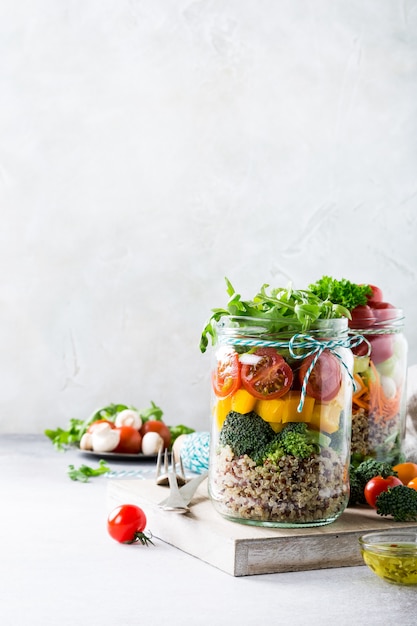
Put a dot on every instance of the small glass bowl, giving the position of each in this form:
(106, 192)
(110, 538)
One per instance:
(391, 555)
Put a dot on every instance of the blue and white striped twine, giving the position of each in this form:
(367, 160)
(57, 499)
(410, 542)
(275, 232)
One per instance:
(309, 345)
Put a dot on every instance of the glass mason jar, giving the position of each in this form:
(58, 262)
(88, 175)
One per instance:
(379, 401)
(281, 421)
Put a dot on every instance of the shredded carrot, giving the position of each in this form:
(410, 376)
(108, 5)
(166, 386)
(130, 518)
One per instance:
(362, 388)
(372, 399)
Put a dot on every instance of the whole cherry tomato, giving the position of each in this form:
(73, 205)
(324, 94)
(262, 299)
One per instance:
(406, 471)
(376, 296)
(126, 524)
(383, 311)
(157, 426)
(382, 347)
(412, 484)
(377, 485)
(130, 440)
(362, 317)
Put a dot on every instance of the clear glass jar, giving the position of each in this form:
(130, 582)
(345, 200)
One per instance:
(379, 401)
(281, 420)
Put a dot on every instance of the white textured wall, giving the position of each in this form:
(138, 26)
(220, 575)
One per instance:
(148, 148)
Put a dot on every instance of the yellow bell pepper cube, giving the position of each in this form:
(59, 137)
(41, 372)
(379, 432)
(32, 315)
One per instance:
(290, 413)
(326, 416)
(270, 410)
(243, 401)
(276, 426)
(221, 409)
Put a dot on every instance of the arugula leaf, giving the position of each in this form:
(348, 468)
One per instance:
(287, 310)
(64, 438)
(84, 472)
(176, 431)
(343, 292)
(154, 413)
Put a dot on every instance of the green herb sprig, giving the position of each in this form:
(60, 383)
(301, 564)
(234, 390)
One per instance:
(84, 472)
(343, 292)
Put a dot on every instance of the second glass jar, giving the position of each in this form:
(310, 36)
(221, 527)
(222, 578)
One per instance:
(379, 401)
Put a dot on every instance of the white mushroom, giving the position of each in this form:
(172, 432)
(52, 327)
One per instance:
(86, 442)
(105, 438)
(128, 417)
(151, 443)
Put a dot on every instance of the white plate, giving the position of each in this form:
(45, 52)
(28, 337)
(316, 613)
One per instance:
(118, 456)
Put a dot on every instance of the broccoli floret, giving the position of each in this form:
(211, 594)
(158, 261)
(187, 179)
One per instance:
(360, 475)
(246, 434)
(356, 494)
(400, 502)
(295, 439)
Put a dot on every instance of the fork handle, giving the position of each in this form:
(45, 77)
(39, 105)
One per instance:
(191, 487)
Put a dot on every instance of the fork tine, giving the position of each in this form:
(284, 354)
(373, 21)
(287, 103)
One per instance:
(163, 468)
(182, 467)
(179, 473)
(159, 463)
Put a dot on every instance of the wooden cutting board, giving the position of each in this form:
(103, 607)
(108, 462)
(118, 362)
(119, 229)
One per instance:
(242, 550)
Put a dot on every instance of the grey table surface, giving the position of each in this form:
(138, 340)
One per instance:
(60, 567)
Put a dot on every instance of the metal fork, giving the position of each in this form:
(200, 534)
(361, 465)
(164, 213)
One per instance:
(179, 499)
(162, 470)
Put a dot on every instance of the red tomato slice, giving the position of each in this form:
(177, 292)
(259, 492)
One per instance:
(377, 485)
(326, 377)
(269, 376)
(130, 440)
(157, 426)
(226, 377)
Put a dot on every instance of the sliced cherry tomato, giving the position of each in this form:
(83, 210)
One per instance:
(406, 471)
(267, 375)
(157, 426)
(226, 377)
(94, 424)
(362, 317)
(326, 377)
(130, 440)
(126, 524)
(377, 485)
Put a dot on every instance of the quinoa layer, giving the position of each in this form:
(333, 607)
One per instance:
(372, 438)
(293, 491)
